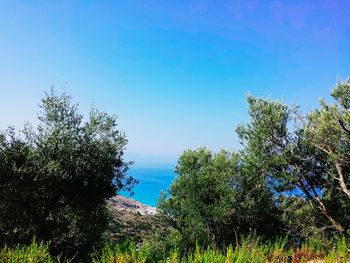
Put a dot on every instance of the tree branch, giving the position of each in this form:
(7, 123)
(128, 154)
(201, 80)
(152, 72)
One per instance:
(320, 205)
(344, 127)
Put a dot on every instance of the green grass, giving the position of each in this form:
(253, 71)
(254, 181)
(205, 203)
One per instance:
(34, 253)
(248, 251)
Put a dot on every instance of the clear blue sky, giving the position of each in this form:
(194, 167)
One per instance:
(176, 72)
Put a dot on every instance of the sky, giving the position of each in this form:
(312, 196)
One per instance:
(175, 72)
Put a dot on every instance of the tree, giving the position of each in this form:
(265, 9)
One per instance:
(328, 130)
(304, 155)
(54, 181)
(212, 201)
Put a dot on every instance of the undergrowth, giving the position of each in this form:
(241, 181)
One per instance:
(248, 251)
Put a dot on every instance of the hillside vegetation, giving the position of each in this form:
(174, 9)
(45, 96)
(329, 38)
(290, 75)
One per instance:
(284, 197)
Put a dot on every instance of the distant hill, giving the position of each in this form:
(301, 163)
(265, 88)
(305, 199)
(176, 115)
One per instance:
(121, 203)
(133, 220)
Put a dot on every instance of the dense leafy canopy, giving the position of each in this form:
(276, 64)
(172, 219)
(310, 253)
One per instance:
(214, 199)
(54, 180)
(307, 156)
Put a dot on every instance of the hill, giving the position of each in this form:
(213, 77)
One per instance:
(132, 219)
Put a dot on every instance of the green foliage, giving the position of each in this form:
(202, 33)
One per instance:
(341, 93)
(213, 200)
(248, 250)
(299, 217)
(34, 253)
(54, 180)
(327, 130)
(291, 178)
(303, 157)
(201, 195)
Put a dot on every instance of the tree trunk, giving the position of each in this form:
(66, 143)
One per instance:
(319, 204)
(341, 179)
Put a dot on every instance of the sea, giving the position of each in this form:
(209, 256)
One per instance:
(152, 180)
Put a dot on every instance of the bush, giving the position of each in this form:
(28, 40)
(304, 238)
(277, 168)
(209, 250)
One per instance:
(34, 253)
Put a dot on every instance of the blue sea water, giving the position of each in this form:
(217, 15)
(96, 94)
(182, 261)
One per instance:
(152, 180)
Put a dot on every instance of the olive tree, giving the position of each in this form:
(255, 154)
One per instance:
(214, 200)
(54, 180)
(302, 156)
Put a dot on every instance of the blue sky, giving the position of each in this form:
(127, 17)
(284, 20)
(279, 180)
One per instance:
(176, 72)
